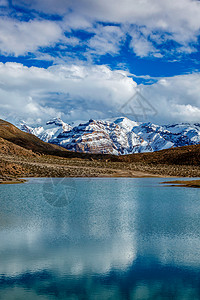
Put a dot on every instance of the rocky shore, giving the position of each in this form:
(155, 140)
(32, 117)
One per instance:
(10, 180)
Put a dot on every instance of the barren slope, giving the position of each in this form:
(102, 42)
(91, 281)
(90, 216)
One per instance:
(187, 155)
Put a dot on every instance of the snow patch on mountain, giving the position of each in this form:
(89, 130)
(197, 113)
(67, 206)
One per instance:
(48, 132)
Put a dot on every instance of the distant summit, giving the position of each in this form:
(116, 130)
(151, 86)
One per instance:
(120, 136)
(49, 131)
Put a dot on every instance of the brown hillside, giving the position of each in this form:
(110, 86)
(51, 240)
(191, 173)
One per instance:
(187, 155)
(8, 148)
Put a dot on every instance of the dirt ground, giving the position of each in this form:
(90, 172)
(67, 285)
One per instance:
(13, 167)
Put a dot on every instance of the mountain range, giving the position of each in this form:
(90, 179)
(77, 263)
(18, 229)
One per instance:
(119, 136)
(22, 154)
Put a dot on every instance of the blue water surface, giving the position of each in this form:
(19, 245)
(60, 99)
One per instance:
(99, 239)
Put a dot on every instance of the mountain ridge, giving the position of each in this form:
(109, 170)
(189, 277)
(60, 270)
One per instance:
(121, 136)
(28, 141)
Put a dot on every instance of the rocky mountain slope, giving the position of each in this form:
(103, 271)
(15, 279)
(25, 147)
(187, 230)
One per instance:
(121, 136)
(48, 132)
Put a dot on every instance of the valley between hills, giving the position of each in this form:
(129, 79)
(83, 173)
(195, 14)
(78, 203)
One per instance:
(24, 155)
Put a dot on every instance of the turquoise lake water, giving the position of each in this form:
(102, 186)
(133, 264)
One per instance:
(99, 239)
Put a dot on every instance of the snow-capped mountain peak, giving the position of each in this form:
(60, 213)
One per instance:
(119, 136)
(60, 123)
(49, 131)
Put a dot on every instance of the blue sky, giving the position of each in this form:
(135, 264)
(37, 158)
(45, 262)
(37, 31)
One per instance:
(84, 59)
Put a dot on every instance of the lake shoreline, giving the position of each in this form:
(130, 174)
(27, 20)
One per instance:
(12, 180)
(178, 183)
(184, 183)
(14, 167)
(5, 180)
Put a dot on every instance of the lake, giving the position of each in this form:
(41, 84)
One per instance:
(116, 238)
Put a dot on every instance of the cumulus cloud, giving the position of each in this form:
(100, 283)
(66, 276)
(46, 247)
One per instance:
(73, 92)
(76, 92)
(177, 99)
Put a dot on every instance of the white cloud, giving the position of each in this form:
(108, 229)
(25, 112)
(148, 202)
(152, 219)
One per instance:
(84, 91)
(178, 16)
(3, 3)
(80, 92)
(18, 38)
(155, 23)
(177, 99)
(46, 6)
(142, 46)
(155, 20)
(77, 92)
(186, 112)
(76, 21)
(107, 39)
